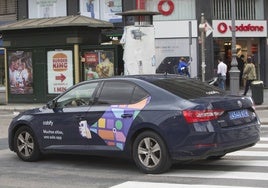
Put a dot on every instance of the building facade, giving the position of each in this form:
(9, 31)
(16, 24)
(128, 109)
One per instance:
(178, 34)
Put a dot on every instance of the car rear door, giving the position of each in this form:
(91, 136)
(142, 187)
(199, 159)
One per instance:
(116, 106)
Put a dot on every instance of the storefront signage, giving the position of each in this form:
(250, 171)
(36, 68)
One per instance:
(243, 28)
(162, 5)
(60, 71)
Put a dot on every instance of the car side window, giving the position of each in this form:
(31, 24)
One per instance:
(81, 95)
(119, 92)
(138, 95)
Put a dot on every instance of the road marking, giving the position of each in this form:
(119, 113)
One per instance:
(233, 162)
(260, 145)
(264, 138)
(135, 184)
(213, 174)
(248, 153)
(216, 174)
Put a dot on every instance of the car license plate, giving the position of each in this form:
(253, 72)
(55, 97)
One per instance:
(238, 114)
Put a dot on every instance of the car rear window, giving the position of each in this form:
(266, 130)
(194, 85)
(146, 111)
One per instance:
(187, 88)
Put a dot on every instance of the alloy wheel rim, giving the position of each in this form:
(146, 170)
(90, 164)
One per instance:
(25, 144)
(149, 152)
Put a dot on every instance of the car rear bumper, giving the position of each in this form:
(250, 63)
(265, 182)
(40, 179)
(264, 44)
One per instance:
(216, 144)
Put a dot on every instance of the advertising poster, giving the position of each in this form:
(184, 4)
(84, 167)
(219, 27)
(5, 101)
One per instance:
(90, 8)
(46, 8)
(139, 50)
(98, 64)
(102, 9)
(59, 71)
(20, 72)
(109, 8)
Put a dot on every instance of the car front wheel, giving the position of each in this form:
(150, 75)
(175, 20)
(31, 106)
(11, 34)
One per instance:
(150, 153)
(25, 144)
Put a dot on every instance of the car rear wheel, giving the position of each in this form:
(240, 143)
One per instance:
(25, 144)
(150, 153)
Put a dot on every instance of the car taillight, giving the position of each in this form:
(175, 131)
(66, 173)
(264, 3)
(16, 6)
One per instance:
(193, 116)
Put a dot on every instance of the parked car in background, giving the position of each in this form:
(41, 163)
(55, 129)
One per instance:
(153, 119)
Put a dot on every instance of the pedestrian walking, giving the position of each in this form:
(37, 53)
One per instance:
(240, 66)
(249, 74)
(221, 72)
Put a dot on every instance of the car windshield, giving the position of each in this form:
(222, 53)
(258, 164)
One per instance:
(187, 88)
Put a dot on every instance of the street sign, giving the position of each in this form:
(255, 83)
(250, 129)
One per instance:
(208, 29)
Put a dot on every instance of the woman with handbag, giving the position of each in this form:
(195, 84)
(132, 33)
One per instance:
(249, 74)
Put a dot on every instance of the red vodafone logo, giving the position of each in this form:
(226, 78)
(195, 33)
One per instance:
(170, 7)
(223, 28)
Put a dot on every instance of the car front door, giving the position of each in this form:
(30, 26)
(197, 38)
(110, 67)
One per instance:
(62, 127)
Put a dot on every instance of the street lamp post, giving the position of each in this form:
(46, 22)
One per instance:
(234, 72)
(202, 30)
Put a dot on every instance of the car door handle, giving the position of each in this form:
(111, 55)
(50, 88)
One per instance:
(126, 115)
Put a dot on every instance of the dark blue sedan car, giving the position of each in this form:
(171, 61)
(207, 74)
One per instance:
(153, 119)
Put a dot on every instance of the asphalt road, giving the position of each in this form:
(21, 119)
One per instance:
(245, 168)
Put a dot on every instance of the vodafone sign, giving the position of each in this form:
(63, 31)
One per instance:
(243, 28)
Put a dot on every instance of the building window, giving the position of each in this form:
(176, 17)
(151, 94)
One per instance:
(181, 9)
(245, 9)
(8, 7)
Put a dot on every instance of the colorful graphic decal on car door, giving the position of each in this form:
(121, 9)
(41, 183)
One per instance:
(114, 124)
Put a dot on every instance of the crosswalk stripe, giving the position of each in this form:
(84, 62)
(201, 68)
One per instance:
(264, 139)
(232, 162)
(5, 151)
(135, 184)
(249, 153)
(216, 174)
(226, 161)
(260, 145)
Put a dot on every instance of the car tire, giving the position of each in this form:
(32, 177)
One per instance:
(25, 144)
(150, 153)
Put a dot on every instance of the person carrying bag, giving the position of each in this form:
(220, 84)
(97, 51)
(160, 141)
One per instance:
(249, 74)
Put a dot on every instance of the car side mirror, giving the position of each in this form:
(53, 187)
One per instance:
(51, 104)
